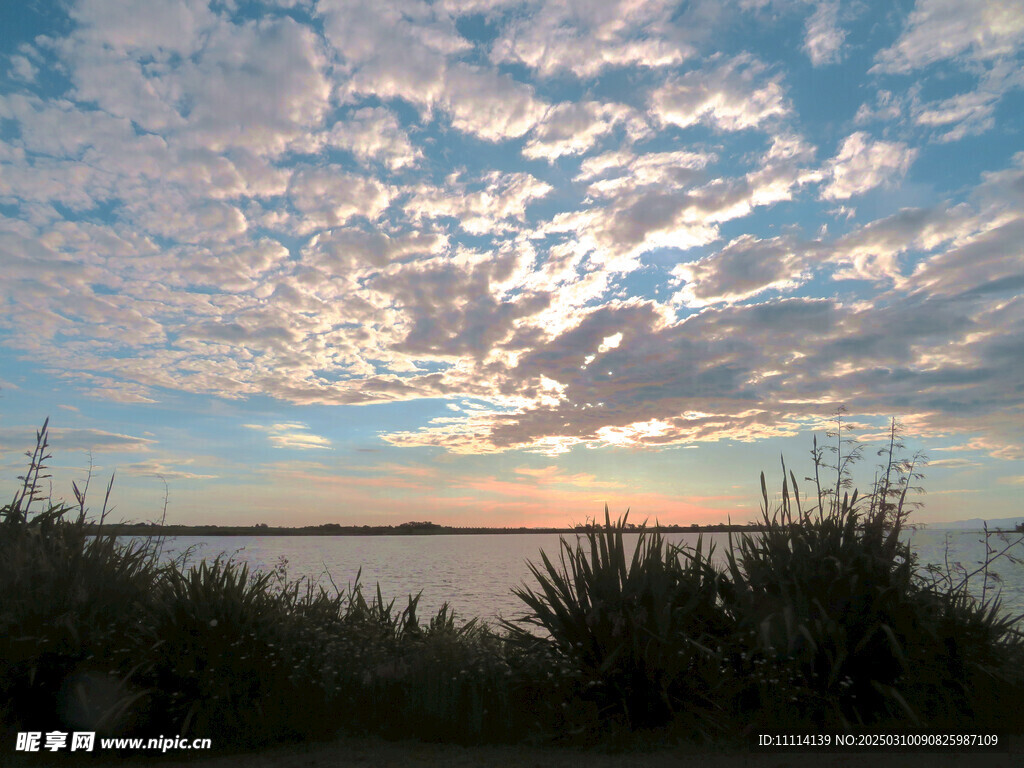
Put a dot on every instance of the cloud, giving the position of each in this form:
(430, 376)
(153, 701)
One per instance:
(69, 439)
(573, 128)
(212, 84)
(873, 251)
(662, 384)
(554, 475)
(587, 39)
(969, 113)
(932, 350)
(21, 68)
(489, 105)
(623, 170)
(477, 99)
(164, 28)
(493, 202)
(291, 436)
(327, 196)
(973, 112)
(862, 164)
(157, 468)
(474, 319)
(823, 37)
(405, 203)
(943, 29)
(987, 265)
(338, 250)
(888, 107)
(732, 96)
(953, 463)
(373, 134)
(743, 269)
(666, 200)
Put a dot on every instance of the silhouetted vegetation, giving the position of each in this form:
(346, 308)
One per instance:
(820, 619)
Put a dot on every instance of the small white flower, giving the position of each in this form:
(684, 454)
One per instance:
(213, 622)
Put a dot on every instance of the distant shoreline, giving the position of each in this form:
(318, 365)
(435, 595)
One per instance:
(430, 529)
(405, 529)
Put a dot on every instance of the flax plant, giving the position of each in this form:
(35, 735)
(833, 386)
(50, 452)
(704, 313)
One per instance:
(639, 631)
(837, 626)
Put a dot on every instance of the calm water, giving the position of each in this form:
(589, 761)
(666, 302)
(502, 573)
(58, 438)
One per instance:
(475, 573)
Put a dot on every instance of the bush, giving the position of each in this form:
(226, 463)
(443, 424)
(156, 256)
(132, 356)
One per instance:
(67, 606)
(821, 620)
(837, 627)
(639, 632)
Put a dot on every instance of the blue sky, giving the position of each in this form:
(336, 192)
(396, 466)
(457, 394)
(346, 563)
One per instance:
(497, 263)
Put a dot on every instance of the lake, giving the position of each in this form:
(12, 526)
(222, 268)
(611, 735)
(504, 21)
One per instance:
(475, 573)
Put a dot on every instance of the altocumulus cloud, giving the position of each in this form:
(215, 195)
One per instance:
(351, 203)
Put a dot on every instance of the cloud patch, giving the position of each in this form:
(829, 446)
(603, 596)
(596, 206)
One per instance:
(861, 164)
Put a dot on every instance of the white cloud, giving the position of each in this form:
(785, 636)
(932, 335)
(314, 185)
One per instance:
(259, 86)
(492, 203)
(888, 107)
(572, 128)
(239, 208)
(490, 105)
(873, 251)
(666, 200)
(340, 249)
(735, 95)
(624, 170)
(166, 470)
(327, 196)
(188, 220)
(743, 269)
(291, 435)
(22, 69)
(478, 100)
(161, 28)
(373, 134)
(823, 37)
(971, 113)
(862, 164)
(942, 29)
(589, 38)
(101, 441)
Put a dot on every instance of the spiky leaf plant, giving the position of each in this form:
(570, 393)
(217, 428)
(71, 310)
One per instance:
(639, 630)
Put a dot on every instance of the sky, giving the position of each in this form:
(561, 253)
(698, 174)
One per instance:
(492, 262)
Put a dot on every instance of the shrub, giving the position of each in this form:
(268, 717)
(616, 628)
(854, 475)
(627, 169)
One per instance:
(640, 633)
(822, 603)
(67, 606)
(836, 626)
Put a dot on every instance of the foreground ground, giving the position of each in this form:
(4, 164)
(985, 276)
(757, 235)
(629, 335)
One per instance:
(378, 753)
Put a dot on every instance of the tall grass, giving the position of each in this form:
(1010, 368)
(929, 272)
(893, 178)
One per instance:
(100, 635)
(67, 601)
